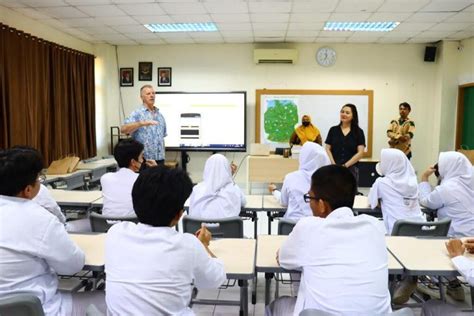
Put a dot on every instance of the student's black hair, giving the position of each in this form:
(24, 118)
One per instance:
(126, 150)
(159, 194)
(405, 105)
(334, 184)
(19, 167)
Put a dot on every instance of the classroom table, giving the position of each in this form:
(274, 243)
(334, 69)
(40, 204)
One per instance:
(93, 246)
(97, 168)
(75, 199)
(272, 168)
(73, 180)
(267, 247)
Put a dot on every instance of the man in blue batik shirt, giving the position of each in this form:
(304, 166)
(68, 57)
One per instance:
(147, 126)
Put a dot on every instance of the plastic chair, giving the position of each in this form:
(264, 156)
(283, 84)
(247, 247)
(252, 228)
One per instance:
(231, 227)
(101, 223)
(285, 226)
(21, 305)
(411, 228)
(316, 312)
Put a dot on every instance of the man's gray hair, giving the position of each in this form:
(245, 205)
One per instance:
(145, 86)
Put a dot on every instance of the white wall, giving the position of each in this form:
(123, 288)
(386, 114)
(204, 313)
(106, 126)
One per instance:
(396, 73)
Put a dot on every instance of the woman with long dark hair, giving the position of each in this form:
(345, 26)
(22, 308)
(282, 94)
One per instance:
(345, 142)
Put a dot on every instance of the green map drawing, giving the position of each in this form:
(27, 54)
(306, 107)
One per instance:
(280, 119)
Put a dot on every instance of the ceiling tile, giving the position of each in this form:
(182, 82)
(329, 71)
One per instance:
(234, 26)
(261, 33)
(439, 34)
(237, 33)
(265, 7)
(226, 7)
(174, 35)
(335, 34)
(401, 33)
(402, 5)
(330, 39)
(409, 26)
(133, 1)
(450, 26)
(297, 39)
(230, 18)
(98, 30)
(461, 35)
(179, 8)
(446, 6)
(274, 18)
(461, 17)
(142, 9)
(155, 41)
(469, 9)
(303, 33)
(119, 20)
(270, 26)
(44, 3)
(306, 26)
(362, 40)
(423, 40)
(314, 6)
(151, 19)
(183, 40)
(130, 28)
(197, 35)
(141, 36)
(309, 17)
(429, 17)
(191, 18)
(385, 17)
(392, 40)
(358, 6)
(238, 39)
(87, 2)
(349, 17)
(33, 13)
(269, 39)
(122, 42)
(12, 4)
(111, 37)
(63, 12)
(367, 34)
(101, 10)
(81, 22)
(55, 23)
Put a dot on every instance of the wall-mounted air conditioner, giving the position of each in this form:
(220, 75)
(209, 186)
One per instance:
(275, 56)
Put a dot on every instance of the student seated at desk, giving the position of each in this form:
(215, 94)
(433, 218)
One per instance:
(217, 196)
(397, 190)
(454, 196)
(34, 246)
(343, 258)
(151, 268)
(117, 186)
(465, 266)
(297, 183)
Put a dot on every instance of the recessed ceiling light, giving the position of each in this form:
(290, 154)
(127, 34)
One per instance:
(182, 27)
(361, 26)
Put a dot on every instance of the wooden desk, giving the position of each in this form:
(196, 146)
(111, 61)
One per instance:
(80, 199)
(98, 168)
(73, 180)
(93, 246)
(267, 169)
(238, 256)
(267, 247)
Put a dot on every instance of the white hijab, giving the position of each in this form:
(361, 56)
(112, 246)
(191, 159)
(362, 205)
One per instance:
(456, 174)
(215, 196)
(398, 174)
(312, 157)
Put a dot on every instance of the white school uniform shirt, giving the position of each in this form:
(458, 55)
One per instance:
(297, 183)
(344, 264)
(216, 196)
(34, 248)
(465, 266)
(151, 270)
(46, 200)
(397, 190)
(454, 197)
(117, 192)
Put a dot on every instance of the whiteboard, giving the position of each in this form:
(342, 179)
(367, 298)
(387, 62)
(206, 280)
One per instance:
(278, 112)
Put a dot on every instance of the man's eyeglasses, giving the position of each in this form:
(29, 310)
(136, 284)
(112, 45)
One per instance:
(307, 198)
(42, 178)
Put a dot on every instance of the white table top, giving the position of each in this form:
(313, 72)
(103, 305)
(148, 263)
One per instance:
(93, 246)
(98, 164)
(425, 256)
(238, 256)
(68, 196)
(66, 175)
(268, 245)
(270, 202)
(254, 202)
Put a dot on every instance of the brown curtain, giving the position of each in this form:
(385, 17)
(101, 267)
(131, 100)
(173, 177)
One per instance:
(47, 96)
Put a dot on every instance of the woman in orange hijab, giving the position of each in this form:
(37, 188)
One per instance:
(305, 132)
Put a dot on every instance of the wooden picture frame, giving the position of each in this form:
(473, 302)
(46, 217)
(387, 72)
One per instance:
(145, 71)
(126, 77)
(164, 76)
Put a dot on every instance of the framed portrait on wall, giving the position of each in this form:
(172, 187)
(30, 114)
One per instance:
(126, 77)
(164, 77)
(145, 70)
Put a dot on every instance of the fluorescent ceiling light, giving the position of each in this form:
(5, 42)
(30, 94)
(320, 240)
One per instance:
(361, 26)
(182, 27)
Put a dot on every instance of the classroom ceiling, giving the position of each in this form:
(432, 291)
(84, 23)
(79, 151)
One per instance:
(120, 22)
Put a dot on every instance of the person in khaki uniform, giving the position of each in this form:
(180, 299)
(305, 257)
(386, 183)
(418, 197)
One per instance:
(400, 132)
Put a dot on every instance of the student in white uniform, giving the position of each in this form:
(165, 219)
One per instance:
(297, 183)
(465, 266)
(117, 186)
(397, 190)
(454, 196)
(34, 246)
(343, 258)
(151, 268)
(217, 196)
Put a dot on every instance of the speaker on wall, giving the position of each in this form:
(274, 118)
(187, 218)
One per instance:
(430, 53)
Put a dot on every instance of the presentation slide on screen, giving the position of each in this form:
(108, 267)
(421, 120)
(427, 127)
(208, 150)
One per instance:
(203, 120)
